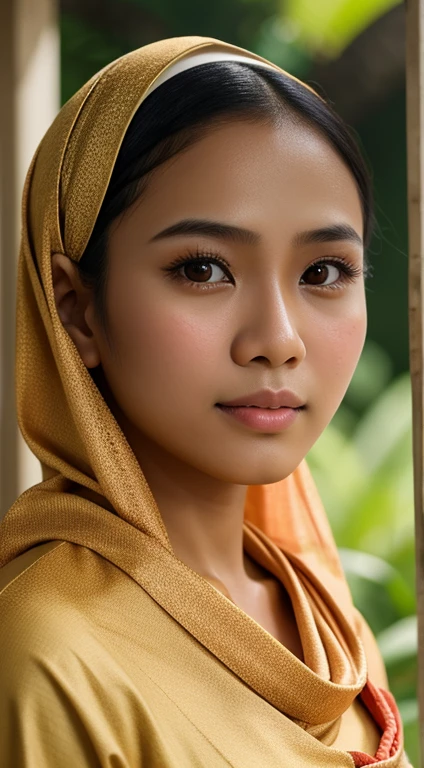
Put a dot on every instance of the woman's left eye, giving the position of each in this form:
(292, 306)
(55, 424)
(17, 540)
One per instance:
(329, 273)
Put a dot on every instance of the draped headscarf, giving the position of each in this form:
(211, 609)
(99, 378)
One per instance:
(93, 491)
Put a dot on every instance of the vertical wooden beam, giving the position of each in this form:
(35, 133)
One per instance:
(415, 139)
(29, 84)
(8, 431)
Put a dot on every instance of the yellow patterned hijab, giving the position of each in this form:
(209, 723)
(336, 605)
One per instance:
(94, 493)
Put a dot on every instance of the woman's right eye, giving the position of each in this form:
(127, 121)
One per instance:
(200, 270)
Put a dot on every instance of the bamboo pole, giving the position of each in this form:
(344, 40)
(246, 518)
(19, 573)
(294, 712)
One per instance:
(415, 147)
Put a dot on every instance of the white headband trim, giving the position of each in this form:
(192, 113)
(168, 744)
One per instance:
(195, 59)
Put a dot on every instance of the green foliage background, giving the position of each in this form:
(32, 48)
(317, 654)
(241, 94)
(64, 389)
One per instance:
(362, 463)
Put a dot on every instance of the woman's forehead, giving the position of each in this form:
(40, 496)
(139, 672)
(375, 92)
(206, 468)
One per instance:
(250, 170)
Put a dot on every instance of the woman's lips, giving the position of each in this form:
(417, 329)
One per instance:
(263, 419)
(268, 398)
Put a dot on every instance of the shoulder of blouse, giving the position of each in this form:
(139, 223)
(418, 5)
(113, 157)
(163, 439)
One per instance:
(57, 671)
(19, 565)
(48, 596)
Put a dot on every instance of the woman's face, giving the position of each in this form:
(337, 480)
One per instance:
(267, 315)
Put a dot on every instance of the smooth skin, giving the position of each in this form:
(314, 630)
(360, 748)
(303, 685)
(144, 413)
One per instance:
(270, 319)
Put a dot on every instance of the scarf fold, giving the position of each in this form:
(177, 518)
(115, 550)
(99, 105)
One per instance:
(94, 492)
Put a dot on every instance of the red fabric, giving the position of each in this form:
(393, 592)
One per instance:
(382, 707)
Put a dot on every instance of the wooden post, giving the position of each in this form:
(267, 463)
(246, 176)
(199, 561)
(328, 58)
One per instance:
(415, 145)
(29, 87)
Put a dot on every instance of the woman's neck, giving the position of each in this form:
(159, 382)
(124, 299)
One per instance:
(204, 522)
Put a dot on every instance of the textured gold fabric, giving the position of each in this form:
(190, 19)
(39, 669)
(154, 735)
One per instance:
(115, 653)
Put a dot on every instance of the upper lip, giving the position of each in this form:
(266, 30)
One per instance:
(267, 398)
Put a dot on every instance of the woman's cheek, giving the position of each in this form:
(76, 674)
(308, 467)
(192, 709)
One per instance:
(337, 352)
(164, 351)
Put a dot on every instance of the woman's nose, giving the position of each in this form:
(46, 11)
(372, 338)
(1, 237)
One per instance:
(271, 332)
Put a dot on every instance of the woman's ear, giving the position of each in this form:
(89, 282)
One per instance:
(74, 304)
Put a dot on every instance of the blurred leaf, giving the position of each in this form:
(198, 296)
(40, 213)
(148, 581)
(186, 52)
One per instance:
(365, 477)
(402, 557)
(334, 449)
(399, 641)
(372, 582)
(368, 567)
(391, 416)
(328, 26)
(408, 710)
(372, 374)
(398, 645)
(275, 42)
(412, 737)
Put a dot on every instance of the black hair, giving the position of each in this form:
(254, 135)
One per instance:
(180, 111)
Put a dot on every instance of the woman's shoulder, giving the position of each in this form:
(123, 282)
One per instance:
(61, 656)
(17, 567)
(48, 597)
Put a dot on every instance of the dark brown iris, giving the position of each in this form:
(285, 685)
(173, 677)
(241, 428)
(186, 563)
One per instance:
(200, 272)
(317, 274)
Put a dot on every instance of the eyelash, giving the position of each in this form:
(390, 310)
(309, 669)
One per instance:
(349, 272)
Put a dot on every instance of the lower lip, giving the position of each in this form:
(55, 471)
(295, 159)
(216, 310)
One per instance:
(264, 419)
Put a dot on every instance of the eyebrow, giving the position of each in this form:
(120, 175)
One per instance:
(215, 229)
(231, 233)
(334, 233)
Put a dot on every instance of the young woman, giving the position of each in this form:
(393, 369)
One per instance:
(191, 309)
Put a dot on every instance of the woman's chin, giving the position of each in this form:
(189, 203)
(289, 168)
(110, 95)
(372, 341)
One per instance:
(257, 474)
